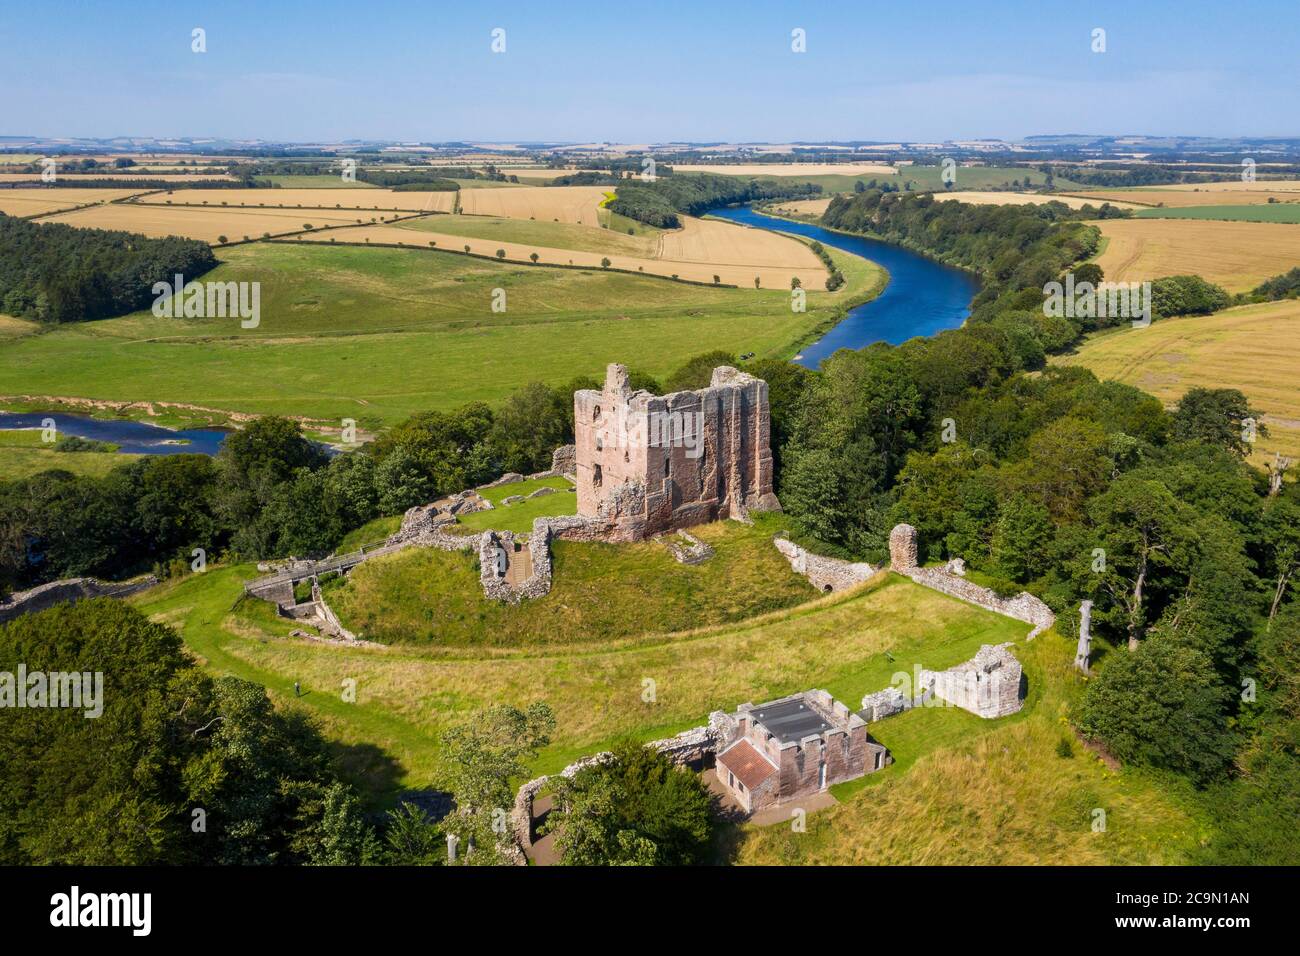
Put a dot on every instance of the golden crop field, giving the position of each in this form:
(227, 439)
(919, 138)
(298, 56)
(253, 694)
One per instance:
(805, 265)
(575, 204)
(803, 207)
(726, 243)
(1203, 194)
(995, 198)
(206, 224)
(361, 198)
(36, 202)
(1236, 255)
(1254, 348)
(124, 177)
(789, 169)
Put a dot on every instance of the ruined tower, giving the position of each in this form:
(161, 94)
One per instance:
(654, 463)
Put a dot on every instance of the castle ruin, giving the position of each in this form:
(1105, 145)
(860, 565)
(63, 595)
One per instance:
(648, 464)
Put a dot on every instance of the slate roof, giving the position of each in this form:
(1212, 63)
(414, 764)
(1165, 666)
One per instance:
(750, 767)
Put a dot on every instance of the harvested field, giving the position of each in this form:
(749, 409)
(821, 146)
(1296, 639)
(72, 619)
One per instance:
(726, 243)
(770, 276)
(556, 235)
(1255, 348)
(1236, 255)
(205, 224)
(803, 207)
(124, 177)
(995, 198)
(355, 198)
(36, 202)
(1205, 194)
(575, 204)
(790, 169)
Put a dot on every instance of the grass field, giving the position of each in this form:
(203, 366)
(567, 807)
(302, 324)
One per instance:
(1233, 193)
(1255, 348)
(967, 791)
(1236, 255)
(962, 789)
(600, 591)
(1288, 212)
(23, 454)
(376, 334)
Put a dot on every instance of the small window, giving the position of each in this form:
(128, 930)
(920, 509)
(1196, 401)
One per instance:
(731, 779)
(668, 466)
(596, 476)
(595, 415)
(600, 443)
(741, 786)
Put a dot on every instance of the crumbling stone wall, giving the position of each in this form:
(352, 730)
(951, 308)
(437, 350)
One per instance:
(688, 457)
(1023, 607)
(990, 684)
(825, 574)
(68, 590)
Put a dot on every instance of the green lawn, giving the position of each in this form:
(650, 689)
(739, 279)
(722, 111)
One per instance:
(1259, 212)
(963, 790)
(376, 334)
(600, 591)
(497, 493)
(23, 454)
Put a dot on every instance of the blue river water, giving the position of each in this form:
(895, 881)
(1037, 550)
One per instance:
(923, 296)
(136, 438)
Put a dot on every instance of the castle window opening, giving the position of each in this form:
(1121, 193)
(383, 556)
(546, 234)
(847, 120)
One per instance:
(596, 476)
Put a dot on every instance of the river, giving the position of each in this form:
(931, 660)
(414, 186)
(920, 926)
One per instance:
(923, 296)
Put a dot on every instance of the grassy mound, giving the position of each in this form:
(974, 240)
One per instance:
(600, 591)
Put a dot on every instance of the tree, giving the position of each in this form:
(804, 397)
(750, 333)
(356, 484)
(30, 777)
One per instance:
(501, 253)
(413, 839)
(605, 263)
(637, 808)
(1281, 539)
(1218, 416)
(482, 756)
(1143, 531)
(1161, 706)
(534, 257)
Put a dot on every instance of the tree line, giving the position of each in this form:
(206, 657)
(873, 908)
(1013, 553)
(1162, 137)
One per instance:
(56, 273)
(660, 201)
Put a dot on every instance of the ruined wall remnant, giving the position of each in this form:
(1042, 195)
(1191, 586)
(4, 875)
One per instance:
(1023, 607)
(825, 574)
(68, 590)
(990, 684)
(649, 463)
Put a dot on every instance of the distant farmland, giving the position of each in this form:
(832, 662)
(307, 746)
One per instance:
(1260, 212)
(1254, 348)
(1236, 255)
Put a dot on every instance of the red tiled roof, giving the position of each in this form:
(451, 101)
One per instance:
(750, 767)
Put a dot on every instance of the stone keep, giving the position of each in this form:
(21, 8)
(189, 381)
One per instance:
(655, 463)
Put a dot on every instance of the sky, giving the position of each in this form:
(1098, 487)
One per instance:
(630, 72)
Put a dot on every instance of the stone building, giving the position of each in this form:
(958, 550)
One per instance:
(792, 747)
(990, 684)
(647, 464)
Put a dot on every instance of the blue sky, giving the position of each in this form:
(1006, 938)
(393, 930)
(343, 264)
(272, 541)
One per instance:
(645, 72)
